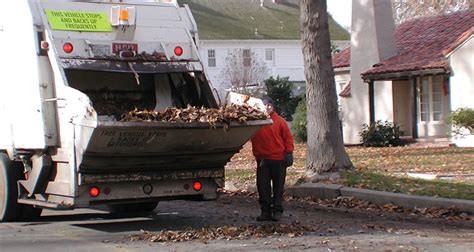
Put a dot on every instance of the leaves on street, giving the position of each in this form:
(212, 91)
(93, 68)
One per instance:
(206, 234)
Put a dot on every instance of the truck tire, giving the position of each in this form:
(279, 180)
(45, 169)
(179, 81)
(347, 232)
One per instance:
(9, 207)
(10, 210)
(30, 213)
(133, 207)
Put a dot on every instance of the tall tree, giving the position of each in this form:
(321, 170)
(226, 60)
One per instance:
(408, 9)
(326, 152)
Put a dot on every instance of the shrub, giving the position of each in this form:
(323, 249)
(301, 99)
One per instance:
(381, 134)
(299, 122)
(280, 90)
(462, 118)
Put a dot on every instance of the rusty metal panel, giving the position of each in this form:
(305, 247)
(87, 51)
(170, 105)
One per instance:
(163, 175)
(124, 66)
(131, 147)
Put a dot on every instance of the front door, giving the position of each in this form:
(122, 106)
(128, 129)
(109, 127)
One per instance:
(433, 105)
(403, 106)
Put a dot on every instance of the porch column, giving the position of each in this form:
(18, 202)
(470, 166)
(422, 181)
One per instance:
(414, 113)
(371, 102)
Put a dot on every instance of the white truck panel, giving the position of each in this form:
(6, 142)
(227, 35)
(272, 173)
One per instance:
(19, 79)
(60, 109)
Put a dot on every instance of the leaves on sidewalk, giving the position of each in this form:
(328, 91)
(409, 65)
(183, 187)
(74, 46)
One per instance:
(353, 203)
(206, 234)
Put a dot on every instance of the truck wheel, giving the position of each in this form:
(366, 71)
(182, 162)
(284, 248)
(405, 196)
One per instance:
(133, 207)
(9, 207)
(30, 213)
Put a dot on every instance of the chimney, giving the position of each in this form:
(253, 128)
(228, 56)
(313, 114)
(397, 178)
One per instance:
(372, 41)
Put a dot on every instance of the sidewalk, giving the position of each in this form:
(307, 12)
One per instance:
(331, 191)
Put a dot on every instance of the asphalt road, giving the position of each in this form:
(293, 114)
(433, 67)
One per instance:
(334, 229)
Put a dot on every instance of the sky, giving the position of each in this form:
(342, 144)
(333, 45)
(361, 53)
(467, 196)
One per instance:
(341, 11)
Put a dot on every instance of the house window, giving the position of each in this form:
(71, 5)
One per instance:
(341, 85)
(247, 59)
(211, 58)
(269, 54)
(431, 99)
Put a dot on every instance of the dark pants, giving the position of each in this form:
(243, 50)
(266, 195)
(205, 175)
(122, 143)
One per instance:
(271, 173)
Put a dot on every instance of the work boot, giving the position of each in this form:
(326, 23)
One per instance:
(264, 217)
(277, 216)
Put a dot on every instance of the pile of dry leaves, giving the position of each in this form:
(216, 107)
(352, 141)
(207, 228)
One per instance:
(350, 202)
(224, 233)
(225, 114)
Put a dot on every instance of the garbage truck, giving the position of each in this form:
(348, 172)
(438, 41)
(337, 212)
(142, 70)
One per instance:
(68, 69)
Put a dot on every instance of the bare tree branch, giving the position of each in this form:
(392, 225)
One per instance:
(243, 68)
(404, 10)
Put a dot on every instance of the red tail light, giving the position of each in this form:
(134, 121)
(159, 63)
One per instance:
(94, 191)
(44, 45)
(197, 186)
(178, 51)
(68, 48)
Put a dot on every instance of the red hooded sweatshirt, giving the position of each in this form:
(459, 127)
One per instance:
(273, 141)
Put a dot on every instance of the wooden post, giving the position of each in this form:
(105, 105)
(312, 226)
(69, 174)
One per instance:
(371, 101)
(414, 113)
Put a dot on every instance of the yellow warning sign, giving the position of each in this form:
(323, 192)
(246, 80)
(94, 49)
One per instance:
(78, 21)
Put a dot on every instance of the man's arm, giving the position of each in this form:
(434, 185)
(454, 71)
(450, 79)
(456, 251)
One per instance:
(287, 137)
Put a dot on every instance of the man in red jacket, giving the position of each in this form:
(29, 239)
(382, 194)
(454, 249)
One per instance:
(272, 147)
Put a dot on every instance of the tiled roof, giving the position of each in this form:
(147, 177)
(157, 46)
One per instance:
(346, 92)
(422, 44)
(342, 59)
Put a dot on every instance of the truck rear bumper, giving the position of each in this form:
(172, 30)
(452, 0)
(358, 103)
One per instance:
(142, 191)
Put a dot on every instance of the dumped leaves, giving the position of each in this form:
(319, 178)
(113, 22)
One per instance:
(224, 233)
(225, 114)
(353, 203)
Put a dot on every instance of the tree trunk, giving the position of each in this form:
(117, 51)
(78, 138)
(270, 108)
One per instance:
(326, 152)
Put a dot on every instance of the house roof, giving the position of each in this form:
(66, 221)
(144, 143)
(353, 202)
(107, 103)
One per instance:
(346, 92)
(342, 59)
(422, 44)
(245, 19)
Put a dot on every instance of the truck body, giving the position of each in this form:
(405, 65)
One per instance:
(68, 70)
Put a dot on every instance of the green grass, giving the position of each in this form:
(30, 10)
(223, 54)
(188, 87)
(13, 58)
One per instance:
(238, 19)
(383, 169)
(240, 175)
(382, 182)
(406, 159)
(249, 175)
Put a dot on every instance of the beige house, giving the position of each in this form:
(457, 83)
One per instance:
(413, 75)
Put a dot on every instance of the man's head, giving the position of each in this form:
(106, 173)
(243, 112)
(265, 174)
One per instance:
(268, 102)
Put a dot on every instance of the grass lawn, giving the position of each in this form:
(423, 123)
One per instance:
(384, 169)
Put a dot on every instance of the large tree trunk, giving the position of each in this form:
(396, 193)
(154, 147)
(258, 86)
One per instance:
(326, 152)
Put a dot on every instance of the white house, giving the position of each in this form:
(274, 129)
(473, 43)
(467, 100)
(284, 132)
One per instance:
(269, 29)
(281, 57)
(413, 75)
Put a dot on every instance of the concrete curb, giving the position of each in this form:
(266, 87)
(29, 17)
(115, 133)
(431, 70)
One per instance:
(331, 191)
